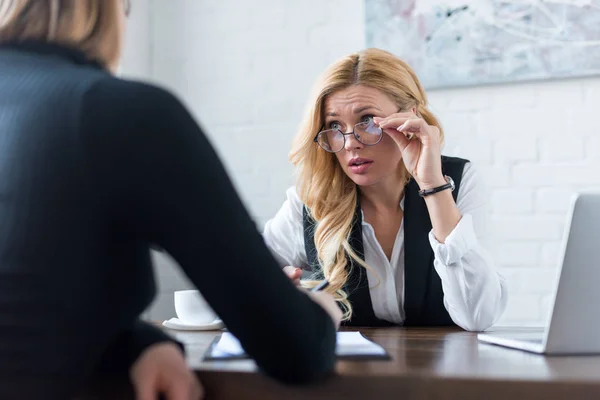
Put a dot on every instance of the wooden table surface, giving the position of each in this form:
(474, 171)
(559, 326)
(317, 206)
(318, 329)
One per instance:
(426, 364)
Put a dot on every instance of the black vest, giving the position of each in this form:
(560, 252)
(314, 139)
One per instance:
(423, 295)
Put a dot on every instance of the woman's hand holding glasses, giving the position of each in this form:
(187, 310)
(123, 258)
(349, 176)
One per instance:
(420, 144)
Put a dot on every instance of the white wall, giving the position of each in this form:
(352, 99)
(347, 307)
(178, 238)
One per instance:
(246, 68)
(137, 56)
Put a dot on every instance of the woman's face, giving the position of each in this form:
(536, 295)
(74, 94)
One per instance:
(365, 165)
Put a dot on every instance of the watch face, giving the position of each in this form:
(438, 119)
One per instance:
(450, 181)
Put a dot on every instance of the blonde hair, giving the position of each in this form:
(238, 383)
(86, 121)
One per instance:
(92, 26)
(324, 188)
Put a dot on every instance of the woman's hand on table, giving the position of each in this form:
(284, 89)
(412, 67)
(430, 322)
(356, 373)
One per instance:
(162, 369)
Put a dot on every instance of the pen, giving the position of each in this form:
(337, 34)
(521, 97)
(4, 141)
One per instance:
(320, 286)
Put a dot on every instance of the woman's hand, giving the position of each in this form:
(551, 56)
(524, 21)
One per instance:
(294, 274)
(162, 369)
(324, 299)
(420, 145)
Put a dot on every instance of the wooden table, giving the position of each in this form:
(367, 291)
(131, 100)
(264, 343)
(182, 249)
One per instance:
(426, 364)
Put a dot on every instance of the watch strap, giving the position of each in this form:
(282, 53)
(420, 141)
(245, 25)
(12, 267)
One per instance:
(427, 192)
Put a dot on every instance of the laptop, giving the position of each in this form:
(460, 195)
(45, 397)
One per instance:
(574, 323)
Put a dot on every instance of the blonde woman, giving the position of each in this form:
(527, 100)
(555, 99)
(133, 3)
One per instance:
(93, 171)
(395, 227)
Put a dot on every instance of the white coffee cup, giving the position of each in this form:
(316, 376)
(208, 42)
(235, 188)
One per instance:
(192, 309)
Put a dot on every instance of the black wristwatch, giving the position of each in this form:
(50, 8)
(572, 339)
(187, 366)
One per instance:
(448, 185)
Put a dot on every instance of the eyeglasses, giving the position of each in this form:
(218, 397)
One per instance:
(334, 140)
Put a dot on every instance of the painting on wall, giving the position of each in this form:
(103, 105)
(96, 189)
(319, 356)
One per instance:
(467, 42)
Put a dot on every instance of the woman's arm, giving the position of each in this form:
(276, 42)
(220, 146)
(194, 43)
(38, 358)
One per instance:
(174, 191)
(128, 346)
(443, 212)
(474, 292)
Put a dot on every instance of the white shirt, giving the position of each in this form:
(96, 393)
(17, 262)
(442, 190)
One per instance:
(474, 292)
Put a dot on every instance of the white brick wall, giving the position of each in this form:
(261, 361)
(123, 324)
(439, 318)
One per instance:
(509, 201)
(558, 149)
(246, 68)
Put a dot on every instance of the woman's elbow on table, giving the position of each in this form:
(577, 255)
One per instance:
(312, 366)
(476, 323)
(485, 313)
(304, 357)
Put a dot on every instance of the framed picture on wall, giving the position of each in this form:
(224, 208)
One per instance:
(469, 42)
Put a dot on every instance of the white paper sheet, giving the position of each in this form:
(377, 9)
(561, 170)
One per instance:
(348, 344)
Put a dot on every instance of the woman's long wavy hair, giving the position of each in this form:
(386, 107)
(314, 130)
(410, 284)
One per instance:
(323, 187)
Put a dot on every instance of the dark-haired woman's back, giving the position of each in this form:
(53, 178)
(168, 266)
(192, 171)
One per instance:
(94, 170)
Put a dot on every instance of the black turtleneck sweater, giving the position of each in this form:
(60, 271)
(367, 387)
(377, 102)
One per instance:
(93, 171)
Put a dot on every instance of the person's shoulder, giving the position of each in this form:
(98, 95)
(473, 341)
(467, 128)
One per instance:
(294, 199)
(117, 105)
(292, 194)
(110, 90)
(448, 160)
(128, 111)
(457, 167)
(472, 185)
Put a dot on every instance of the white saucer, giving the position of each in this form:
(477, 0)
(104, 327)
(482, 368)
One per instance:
(176, 323)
